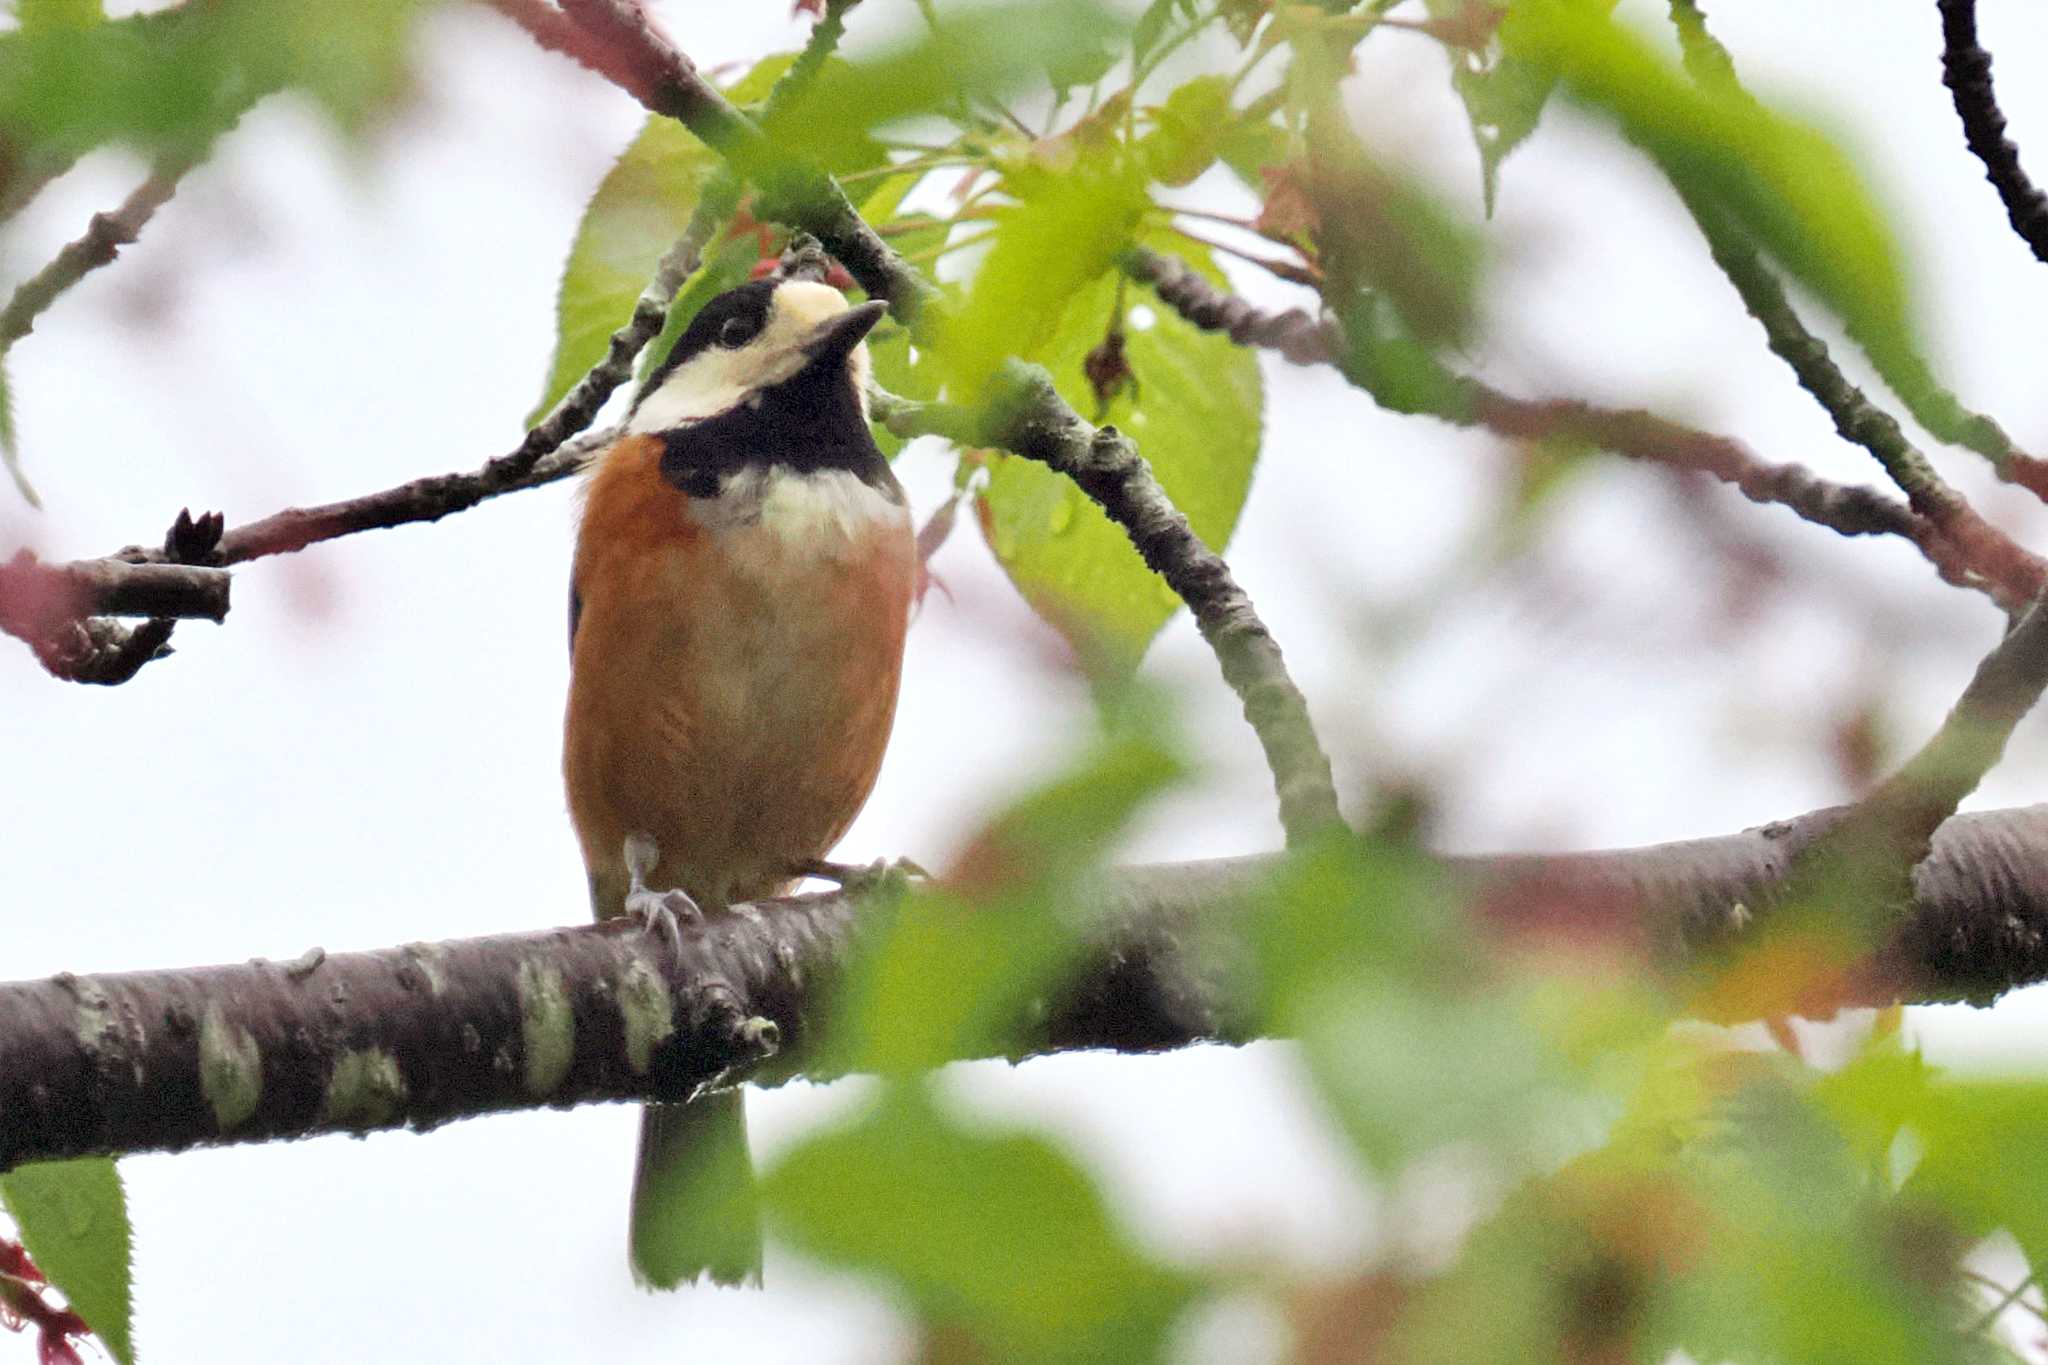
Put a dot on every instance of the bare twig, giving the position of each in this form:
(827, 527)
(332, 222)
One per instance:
(1296, 334)
(1857, 418)
(62, 611)
(1851, 510)
(1966, 71)
(1931, 405)
(102, 240)
(620, 41)
(427, 499)
(111, 587)
(420, 1035)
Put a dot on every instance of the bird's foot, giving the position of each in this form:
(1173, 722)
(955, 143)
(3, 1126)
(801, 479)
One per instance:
(662, 912)
(883, 876)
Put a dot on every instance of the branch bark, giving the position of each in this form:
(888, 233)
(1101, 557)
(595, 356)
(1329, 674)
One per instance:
(422, 1034)
(110, 587)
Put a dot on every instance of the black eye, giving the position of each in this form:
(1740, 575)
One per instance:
(737, 332)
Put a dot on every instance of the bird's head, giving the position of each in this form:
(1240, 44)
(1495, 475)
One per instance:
(752, 342)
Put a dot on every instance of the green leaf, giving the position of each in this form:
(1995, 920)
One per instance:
(73, 1219)
(1195, 408)
(168, 83)
(1250, 146)
(1064, 234)
(992, 1232)
(1188, 130)
(1973, 1144)
(1504, 99)
(986, 50)
(1791, 189)
(1401, 373)
(1383, 232)
(1503, 94)
(640, 208)
(1365, 956)
(952, 972)
(1151, 25)
(36, 14)
(1803, 1252)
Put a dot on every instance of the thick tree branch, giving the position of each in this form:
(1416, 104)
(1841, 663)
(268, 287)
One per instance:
(1849, 510)
(419, 1035)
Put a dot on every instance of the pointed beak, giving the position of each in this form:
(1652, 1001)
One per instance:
(835, 338)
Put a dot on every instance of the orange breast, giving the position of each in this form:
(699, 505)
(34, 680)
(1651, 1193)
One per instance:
(732, 684)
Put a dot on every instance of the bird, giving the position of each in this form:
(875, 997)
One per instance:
(741, 588)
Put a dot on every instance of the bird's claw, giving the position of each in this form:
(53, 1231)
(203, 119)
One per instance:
(662, 912)
(883, 875)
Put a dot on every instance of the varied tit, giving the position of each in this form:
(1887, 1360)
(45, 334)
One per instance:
(743, 581)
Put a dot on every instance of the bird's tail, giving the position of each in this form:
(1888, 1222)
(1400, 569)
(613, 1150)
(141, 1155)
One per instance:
(695, 1210)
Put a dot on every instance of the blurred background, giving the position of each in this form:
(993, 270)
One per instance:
(368, 753)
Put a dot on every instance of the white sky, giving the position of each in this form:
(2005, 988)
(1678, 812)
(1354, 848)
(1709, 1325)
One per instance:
(368, 752)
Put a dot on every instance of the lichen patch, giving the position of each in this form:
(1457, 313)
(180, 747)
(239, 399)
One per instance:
(546, 1027)
(230, 1069)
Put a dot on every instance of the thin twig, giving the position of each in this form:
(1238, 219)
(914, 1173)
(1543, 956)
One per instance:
(102, 240)
(1996, 1310)
(427, 499)
(1966, 71)
(1849, 510)
(579, 406)
(1933, 406)
(62, 611)
(825, 36)
(1856, 417)
(1272, 265)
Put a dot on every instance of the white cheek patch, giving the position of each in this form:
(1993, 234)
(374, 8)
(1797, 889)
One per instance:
(714, 382)
(718, 379)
